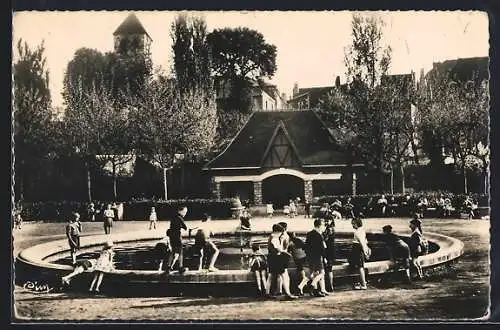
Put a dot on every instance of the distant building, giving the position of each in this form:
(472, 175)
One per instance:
(462, 69)
(131, 38)
(265, 96)
(310, 97)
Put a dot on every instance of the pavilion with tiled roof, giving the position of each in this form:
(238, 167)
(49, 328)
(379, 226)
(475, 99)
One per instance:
(281, 155)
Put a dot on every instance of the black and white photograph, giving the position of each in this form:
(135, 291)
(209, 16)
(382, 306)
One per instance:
(172, 166)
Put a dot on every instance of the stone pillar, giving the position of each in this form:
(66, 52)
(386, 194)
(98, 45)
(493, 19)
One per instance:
(216, 189)
(257, 192)
(308, 191)
(354, 183)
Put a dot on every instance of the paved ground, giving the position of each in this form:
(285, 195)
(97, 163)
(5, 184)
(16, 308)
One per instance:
(460, 291)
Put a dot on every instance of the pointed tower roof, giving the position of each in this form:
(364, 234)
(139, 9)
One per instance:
(131, 25)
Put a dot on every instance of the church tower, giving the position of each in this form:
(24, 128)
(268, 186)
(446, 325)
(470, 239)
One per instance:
(131, 38)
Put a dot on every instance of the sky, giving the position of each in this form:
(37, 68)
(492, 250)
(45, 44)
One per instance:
(310, 44)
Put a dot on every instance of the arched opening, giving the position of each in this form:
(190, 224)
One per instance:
(279, 189)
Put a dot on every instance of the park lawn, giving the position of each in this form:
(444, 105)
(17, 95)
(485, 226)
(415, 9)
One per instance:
(458, 291)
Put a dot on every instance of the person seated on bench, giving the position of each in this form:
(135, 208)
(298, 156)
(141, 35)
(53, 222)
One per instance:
(470, 206)
(382, 204)
(336, 205)
(392, 206)
(349, 209)
(448, 208)
(440, 206)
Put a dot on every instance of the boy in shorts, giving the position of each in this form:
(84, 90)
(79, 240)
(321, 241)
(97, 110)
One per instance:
(204, 244)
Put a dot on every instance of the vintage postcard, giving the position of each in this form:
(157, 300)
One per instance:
(197, 165)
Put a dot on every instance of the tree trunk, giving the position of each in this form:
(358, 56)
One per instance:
(464, 172)
(486, 181)
(115, 195)
(402, 171)
(89, 184)
(392, 180)
(165, 183)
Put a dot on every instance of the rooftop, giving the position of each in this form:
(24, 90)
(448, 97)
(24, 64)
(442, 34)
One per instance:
(131, 25)
(313, 143)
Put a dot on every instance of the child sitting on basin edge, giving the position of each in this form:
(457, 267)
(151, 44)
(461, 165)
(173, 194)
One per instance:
(258, 265)
(399, 251)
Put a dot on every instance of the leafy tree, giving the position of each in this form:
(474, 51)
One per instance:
(121, 74)
(241, 52)
(97, 129)
(192, 57)
(31, 111)
(399, 128)
(358, 114)
(367, 59)
(86, 67)
(97, 88)
(455, 113)
(169, 123)
(240, 56)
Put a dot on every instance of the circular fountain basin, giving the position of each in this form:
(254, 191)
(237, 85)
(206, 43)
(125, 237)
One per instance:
(51, 260)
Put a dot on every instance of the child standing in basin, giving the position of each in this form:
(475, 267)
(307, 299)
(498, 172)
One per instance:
(104, 264)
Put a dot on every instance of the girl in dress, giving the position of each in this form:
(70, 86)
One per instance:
(269, 210)
(104, 264)
(359, 252)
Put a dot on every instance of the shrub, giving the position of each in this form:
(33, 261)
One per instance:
(133, 210)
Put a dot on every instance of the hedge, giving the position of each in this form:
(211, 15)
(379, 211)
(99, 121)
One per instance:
(132, 210)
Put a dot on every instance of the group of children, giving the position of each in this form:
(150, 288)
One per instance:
(318, 252)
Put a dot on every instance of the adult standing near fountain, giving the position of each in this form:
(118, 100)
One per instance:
(417, 245)
(359, 252)
(176, 225)
(109, 215)
(315, 251)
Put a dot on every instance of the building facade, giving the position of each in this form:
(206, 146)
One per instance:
(282, 155)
